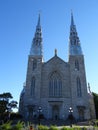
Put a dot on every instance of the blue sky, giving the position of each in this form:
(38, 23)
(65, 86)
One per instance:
(18, 19)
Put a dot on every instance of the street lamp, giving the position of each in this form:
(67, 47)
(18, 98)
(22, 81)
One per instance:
(70, 116)
(39, 111)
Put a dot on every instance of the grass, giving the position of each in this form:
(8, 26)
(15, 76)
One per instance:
(22, 126)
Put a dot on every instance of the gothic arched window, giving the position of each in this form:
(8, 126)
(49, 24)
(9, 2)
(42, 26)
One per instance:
(55, 85)
(76, 65)
(32, 92)
(34, 64)
(79, 92)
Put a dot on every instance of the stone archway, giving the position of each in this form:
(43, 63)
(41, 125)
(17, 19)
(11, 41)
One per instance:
(30, 111)
(55, 112)
(81, 110)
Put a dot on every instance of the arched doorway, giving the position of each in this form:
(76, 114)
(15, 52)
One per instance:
(30, 112)
(81, 110)
(55, 112)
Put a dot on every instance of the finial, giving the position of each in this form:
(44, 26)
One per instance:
(55, 52)
(89, 88)
(39, 20)
(72, 21)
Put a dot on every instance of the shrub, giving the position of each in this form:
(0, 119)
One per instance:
(84, 128)
(64, 128)
(42, 127)
(53, 128)
(70, 128)
(18, 126)
(77, 128)
(6, 126)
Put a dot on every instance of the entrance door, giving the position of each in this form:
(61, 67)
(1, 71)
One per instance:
(55, 112)
(81, 113)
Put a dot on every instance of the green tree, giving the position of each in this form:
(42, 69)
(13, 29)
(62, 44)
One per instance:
(4, 101)
(12, 104)
(6, 105)
(96, 103)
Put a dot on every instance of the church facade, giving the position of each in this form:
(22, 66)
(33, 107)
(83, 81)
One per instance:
(56, 86)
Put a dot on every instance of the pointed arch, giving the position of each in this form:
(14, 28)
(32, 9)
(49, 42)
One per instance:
(55, 85)
(34, 64)
(76, 65)
(32, 92)
(79, 92)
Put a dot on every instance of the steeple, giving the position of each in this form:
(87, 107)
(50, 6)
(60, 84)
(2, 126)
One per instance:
(38, 24)
(72, 20)
(36, 48)
(74, 42)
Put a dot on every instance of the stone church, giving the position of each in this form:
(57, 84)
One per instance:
(56, 88)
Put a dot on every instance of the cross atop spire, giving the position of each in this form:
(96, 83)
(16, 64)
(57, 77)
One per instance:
(72, 20)
(38, 24)
(74, 42)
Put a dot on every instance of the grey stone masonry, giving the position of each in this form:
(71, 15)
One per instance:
(59, 88)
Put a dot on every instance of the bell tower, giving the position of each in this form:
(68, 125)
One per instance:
(31, 92)
(77, 74)
(35, 61)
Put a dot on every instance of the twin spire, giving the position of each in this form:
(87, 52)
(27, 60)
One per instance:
(36, 48)
(74, 42)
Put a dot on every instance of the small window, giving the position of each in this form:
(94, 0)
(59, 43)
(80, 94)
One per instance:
(34, 64)
(76, 65)
(79, 92)
(32, 92)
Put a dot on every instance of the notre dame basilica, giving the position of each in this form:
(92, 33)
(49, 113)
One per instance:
(56, 87)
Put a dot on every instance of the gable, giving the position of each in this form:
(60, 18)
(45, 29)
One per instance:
(55, 64)
(56, 60)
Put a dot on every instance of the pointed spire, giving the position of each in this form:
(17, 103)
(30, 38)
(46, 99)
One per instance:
(38, 24)
(72, 20)
(89, 89)
(74, 42)
(36, 48)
